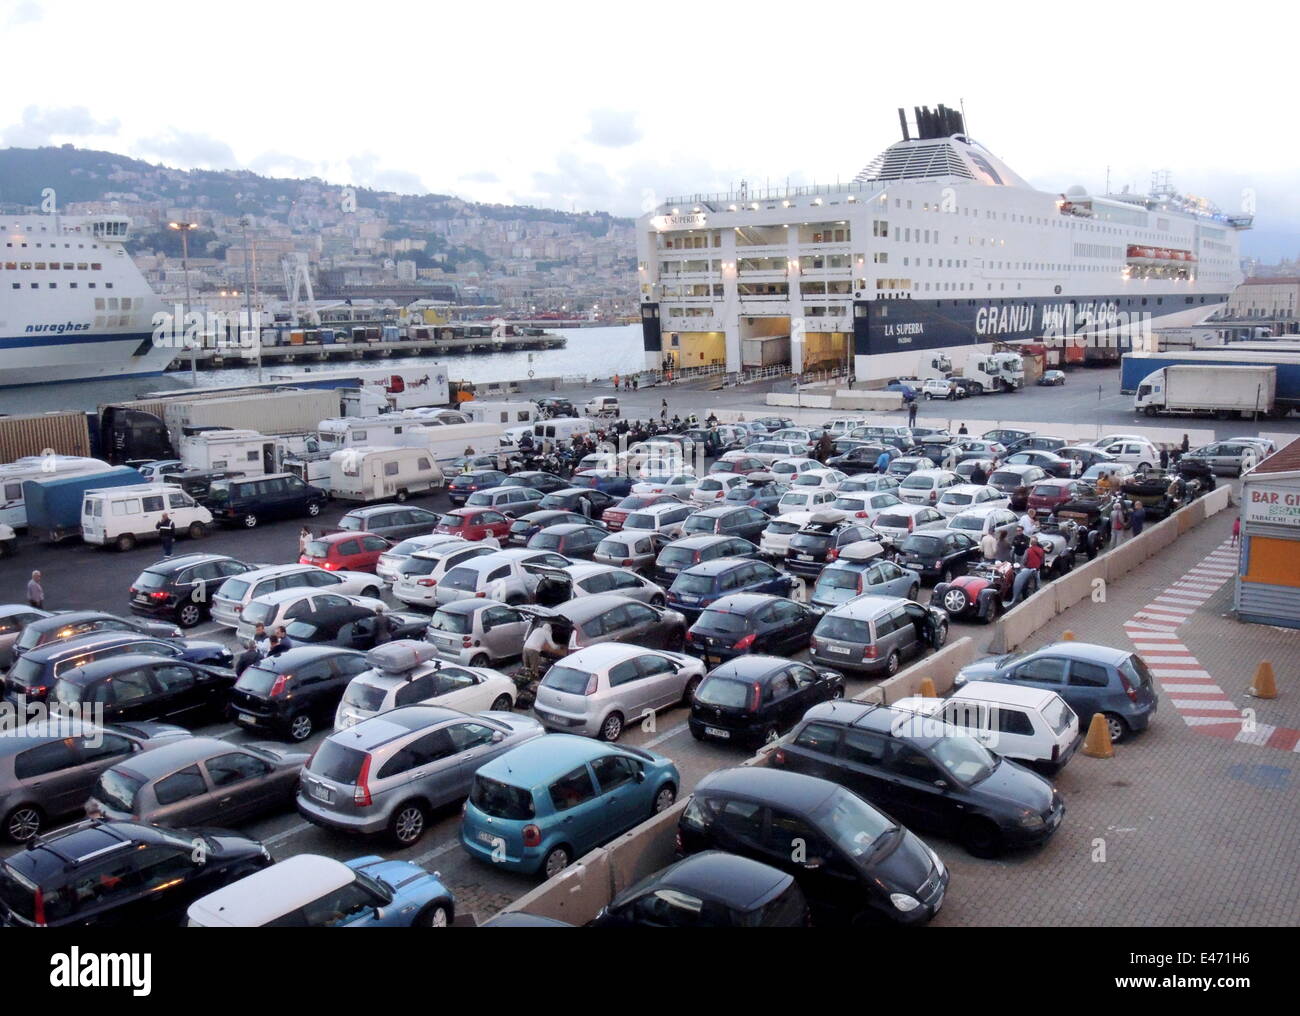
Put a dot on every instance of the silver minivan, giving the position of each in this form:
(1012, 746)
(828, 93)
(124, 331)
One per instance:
(391, 772)
(596, 691)
(874, 634)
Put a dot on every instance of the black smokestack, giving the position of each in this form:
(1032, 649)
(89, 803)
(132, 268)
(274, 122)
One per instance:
(902, 122)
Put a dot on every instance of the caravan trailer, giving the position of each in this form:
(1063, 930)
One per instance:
(13, 506)
(507, 414)
(244, 451)
(454, 440)
(380, 473)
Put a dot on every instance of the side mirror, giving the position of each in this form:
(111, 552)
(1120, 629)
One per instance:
(941, 784)
(640, 776)
(498, 737)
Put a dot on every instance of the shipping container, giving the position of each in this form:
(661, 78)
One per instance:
(54, 505)
(767, 351)
(42, 433)
(284, 412)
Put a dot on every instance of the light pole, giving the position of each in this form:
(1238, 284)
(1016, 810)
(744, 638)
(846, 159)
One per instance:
(248, 295)
(185, 229)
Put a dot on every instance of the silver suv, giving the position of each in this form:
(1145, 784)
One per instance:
(388, 774)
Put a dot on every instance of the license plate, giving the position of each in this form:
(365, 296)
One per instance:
(712, 661)
(142, 599)
(838, 649)
(804, 557)
(489, 838)
(321, 793)
(245, 718)
(715, 732)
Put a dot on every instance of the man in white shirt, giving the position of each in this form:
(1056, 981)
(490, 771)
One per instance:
(989, 545)
(1027, 524)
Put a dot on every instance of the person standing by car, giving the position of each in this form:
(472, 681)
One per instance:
(539, 644)
(989, 545)
(167, 530)
(1027, 525)
(1137, 518)
(978, 476)
(256, 649)
(825, 447)
(1164, 458)
(1004, 552)
(1185, 445)
(1034, 555)
(1118, 523)
(962, 430)
(882, 461)
(304, 538)
(36, 592)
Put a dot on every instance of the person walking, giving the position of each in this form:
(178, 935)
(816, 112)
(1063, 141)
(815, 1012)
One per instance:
(615, 382)
(962, 429)
(167, 530)
(304, 538)
(1185, 445)
(36, 592)
(911, 413)
(882, 461)
(1236, 530)
(1164, 458)
(663, 410)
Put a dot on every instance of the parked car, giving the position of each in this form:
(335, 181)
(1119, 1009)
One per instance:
(754, 699)
(408, 673)
(821, 541)
(137, 687)
(894, 524)
(418, 576)
(924, 486)
(808, 499)
(939, 388)
(1051, 463)
(938, 554)
(1091, 678)
(862, 569)
(610, 617)
(905, 465)
(597, 691)
(700, 585)
(1085, 455)
(990, 588)
(1226, 458)
(1008, 478)
(536, 479)
(713, 487)
(965, 467)
(198, 781)
(345, 552)
(743, 623)
(1052, 377)
(665, 518)
(1049, 494)
(774, 423)
(391, 773)
(1038, 442)
(987, 518)
(761, 491)
(180, 589)
(475, 524)
(120, 875)
(928, 776)
(509, 575)
(790, 469)
(584, 501)
(48, 766)
(635, 549)
(541, 805)
(247, 501)
(391, 521)
(508, 499)
(392, 559)
(573, 540)
(14, 618)
(462, 486)
(850, 859)
(286, 605)
(614, 482)
(874, 634)
(354, 627)
(858, 457)
(962, 497)
(693, 550)
(62, 626)
(311, 891)
(614, 516)
(680, 484)
(738, 462)
(525, 527)
(296, 693)
(235, 594)
(1006, 436)
(1139, 453)
(737, 520)
(477, 633)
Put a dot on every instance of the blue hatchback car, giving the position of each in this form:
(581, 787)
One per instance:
(698, 586)
(541, 805)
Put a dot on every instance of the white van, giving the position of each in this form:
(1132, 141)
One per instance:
(243, 451)
(13, 506)
(123, 516)
(379, 474)
(562, 430)
(507, 414)
(602, 405)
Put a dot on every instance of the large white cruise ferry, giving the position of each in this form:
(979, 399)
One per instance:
(935, 245)
(73, 305)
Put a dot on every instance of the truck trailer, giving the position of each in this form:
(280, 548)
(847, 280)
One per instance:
(1223, 391)
(54, 505)
(1135, 369)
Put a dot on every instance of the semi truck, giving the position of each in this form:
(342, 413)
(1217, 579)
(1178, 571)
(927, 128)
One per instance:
(1136, 369)
(1196, 389)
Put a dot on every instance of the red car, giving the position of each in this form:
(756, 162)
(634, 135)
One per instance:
(615, 515)
(1049, 493)
(743, 466)
(474, 524)
(345, 551)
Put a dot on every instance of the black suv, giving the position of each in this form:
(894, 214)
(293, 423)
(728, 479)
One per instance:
(297, 692)
(135, 687)
(248, 501)
(819, 542)
(850, 859)
(924, 774)
(120, 874)
(753, 699)
(180, 589)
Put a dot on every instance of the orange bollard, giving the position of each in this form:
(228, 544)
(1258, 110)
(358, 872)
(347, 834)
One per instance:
(927, 688)
(1097, 743)
(1067, 636)
(1264, 685)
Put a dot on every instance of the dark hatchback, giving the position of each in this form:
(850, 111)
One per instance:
(68, 625)
(754, 699)
(712, 889)
(938, 554)
(925, 775)
(763, 494)
(852, 861)
(819, 542)
(523, 528)
(120, 874)
(698, 586)
(356, 628)
(180, 589)
(858, 457)
(577, 500)
(751, 623)
(133, 688)
(536, 479)
(692, 550)
(296, 693)
(727, 520)
(576, 541)
(465, 484)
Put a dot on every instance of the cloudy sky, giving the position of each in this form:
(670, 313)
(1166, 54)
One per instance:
(617, 106)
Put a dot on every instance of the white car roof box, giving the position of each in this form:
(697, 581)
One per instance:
(401, 656)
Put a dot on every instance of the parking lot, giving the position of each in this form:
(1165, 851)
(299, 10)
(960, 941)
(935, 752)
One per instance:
(1179, 828)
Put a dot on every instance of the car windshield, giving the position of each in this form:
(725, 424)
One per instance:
(694, 585)
(699, 524)
(852, 824)
(810, 541)
(929, 546)
(304, 631)
(451, 621)
(779, 528)
(256, 681)
(964, 758)
(888, 520)
(150, 580)
(741, 492)
(847, 629)
(233, 589)
(951, 498)
(451, 521)
(679, 556)
(500, 800)
(723, 621)
(404, 549)
(117, 789)
(915, 482)
(709, 484)
(364, 696)
(462, 579)
(1004, 479)
(837, 583)
(722, 691)
(350, 523)
(975, 523)
(416, 566)
(337, 762)
(1135, 669)
(479, 498)
(545, 541)
(566, 679)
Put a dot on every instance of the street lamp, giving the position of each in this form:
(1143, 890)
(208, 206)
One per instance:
(248, 294)
(185, 228)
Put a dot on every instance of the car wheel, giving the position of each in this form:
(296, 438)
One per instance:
(401, 496)
(664, 798)
(371, 592)
(981, 838)
(435, 915)
(955, 601)
(658, 601)
(125, 542)
(612, 727)
(891, 663)
(189, 614)
(556, 861)
(479, 660)
(915, 591)
(250, 521)
(1150, 410)
(1117, 727)
(502, 704)
(407, 824)
(313, 509)
(301, 727)
(941, 636)
(1143, 466)
(837, 692)
(23, 823)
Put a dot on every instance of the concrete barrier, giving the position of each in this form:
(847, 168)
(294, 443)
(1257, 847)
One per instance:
(1078, 584)
(883, 402)
(940, 667)
(1022, 620)
(798, 399)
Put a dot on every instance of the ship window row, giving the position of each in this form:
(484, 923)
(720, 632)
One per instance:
(52, 266)
(112, 321)
(52, 246)
(55, 285)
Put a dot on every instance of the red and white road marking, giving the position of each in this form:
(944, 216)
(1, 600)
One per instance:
(1189, 687)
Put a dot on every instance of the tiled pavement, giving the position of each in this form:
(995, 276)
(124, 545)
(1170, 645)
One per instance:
(1179, 828)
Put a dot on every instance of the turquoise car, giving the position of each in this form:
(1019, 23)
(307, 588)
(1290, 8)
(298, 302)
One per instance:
(539, 806)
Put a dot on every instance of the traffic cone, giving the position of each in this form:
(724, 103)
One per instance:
(1097, 743)
(927, 688)
(1067, 636)
(1264, 685)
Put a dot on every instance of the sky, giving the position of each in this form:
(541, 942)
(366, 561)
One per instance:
(617, 107)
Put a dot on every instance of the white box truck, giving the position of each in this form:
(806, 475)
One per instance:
(1223, 390)
(381, 473)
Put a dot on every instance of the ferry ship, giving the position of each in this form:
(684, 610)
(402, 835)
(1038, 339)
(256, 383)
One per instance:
(73, 305)
(937, 247)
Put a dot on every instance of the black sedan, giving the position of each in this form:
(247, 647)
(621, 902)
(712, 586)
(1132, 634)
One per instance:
(557, 407)
(547, 483)
(1056, 465)
(938, 554)
(751, 623)
(860, 458)
(581, 500)
(464, 485)
(350, 627)
(523, 528)
(134, 688)
(74, 624)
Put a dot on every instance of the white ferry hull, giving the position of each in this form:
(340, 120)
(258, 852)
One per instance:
(80, 358)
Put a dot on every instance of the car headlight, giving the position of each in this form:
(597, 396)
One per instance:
(1031, 820)
(938, 861)
(903, 902)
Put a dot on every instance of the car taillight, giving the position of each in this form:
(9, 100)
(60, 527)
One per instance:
(329, 565)
(38, 907)
(627, 563)
(482, 594)
(466, 642)
(239, 608)
(591, 686)
(860, 515)
(158, 596)
(361, 793)
(427, 583)
(778, 758)
(869, 653)
(1129, 690)
(833, 553)
(756, 698)
(911, 521)
(277, 689)
(532, 836)
(745, 642)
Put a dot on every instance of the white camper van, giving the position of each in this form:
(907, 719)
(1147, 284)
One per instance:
(380, 473)
(243, 451)
(355, 431)
(13, 508)
(123, 516)
(561, 430)
(507, 414)
(453, 440)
